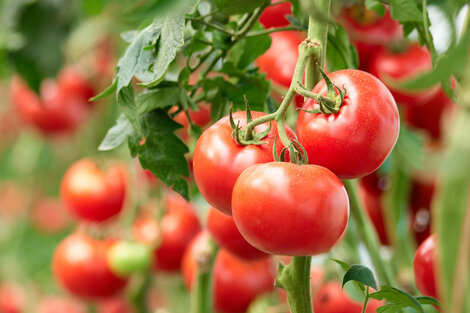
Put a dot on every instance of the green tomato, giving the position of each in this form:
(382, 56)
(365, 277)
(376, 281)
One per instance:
(125, 258)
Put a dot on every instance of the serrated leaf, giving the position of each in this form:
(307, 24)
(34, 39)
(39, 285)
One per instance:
(117, 134)
(137, 59)
(398, 297)
(157, 98)
(108, 91)
(405, 11)
(163, 152)
(126, 102)
(360, 274)
(428, 300)
(171, 40)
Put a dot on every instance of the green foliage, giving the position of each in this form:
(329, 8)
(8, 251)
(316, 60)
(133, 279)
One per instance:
(405, 11)
(340, 53)
(361, 274)
(238, 7)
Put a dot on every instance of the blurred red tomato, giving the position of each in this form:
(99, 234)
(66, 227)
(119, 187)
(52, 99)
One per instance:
(79, 264)
(146, 230)
(12, 298)
(201, 118)
(421, 198)
(275, 14)
(92, 194)
(424, 266)
(73, 82)
(50, 216)
(13, 201)
(57, 304)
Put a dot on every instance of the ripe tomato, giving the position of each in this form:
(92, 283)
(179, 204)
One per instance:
(369, 32)
(73, 83)
(355, 141)
(201, 118)
(55, 304)
(147, 231)
(429, 116)
(178, 227)
(92, 194)
(373, 205)
(332, 299)
(218, 160)
(79, 264)
(275, 15)
(279, 61)
(225, 234)
(422, 193)
(275, 211)
(424, 267)
(55, 112)
(395, 67)
(12, 298)
(236, 282)
(50, 216)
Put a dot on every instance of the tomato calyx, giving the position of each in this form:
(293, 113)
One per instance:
(329, 104)
(246, 137)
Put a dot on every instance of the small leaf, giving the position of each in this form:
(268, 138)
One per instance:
(360, 274)
(375, 5)
(405, 11)
(428, 300)
(117, 134)
(390, 308)
(398, 297)
(105, 92)
(125, 101)
(344, 265)
(245, 51)
(157, 98)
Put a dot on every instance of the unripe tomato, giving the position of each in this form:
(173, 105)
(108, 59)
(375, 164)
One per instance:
(424, 266)
(125, 258)
(393, 68)
(178, 227)
(288, 209)
(225, 233)
(92, 194)
(332, 299)
(236, 282)
(275, 15)
(79, 264)
(218, 160)
(356, 140)
(369, 31)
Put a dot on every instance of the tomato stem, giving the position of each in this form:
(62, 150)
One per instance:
(295, 280)
(368, 235)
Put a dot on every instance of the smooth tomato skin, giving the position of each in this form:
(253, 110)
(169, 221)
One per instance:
(412, 62)
(356, 140)
(225, 233)
(236, 282)
(275, 15)
(73, 83)
(374, 208)
(92, 194)
(287, 204)
(218, 160)
(80, 266)
(278, 62)
(424, 266)
(178, 227)
(332, 299)
(368, 31)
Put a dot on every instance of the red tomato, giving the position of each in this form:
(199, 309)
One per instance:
(113, 305)
(55, 304)
(218, 160)
(373, 205)
(50, 216)
(421, 199)
(279, 61)
(275, 211)
(12, 298)
(332, 299)
(178, 227)
(375, 182)
(355, 141)
(73, 83)
(225, 234)
(201, 118)
(236, 282)
(395, 67)
(368, 31)
(424, 267)
(79, 264)
(275, 15)
(146, 230)
(428, 116)
(92, 194)
(55, 112)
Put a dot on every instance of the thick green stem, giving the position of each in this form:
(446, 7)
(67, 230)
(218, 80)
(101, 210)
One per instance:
(201, 296)
(295, 280)
(317, 32)
(139, 294)
(367, 235)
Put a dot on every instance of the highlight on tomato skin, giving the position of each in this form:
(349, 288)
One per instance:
(425, 267)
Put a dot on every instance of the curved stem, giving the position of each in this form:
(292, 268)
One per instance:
(366, 300)
(250, 22)
(367, 234)
(269, 31)
(295, 280)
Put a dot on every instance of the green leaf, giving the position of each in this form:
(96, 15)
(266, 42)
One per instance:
(397, 297)
(244, 52)
(105, 92)
(157, 98)
(343, 265)
(163, 152)
(360, 274)
(390, 308)
(231, 7)
(428, 300)
(340, 52)
(117, 134)
(126, 102)
(375, 5)
(171, 40)
(405, 11)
